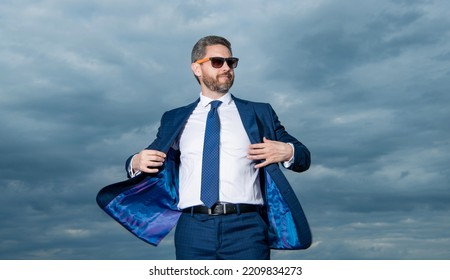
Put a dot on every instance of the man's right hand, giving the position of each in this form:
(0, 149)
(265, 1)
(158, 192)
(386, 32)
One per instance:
(148, 161)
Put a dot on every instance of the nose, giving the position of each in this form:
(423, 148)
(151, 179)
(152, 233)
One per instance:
(225, 67)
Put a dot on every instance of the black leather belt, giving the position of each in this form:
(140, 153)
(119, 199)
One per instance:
(222, 209)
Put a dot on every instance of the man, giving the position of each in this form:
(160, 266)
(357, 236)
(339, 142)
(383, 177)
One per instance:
(213, 171)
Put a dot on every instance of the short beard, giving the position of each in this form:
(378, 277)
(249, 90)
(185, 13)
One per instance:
(214, 85)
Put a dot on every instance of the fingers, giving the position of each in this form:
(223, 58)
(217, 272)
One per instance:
(262, 164)
(269, 152)
(261, 152)
(266, 143)
(148, 161)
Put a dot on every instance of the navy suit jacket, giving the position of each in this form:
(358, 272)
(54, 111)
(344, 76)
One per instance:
(146, 205)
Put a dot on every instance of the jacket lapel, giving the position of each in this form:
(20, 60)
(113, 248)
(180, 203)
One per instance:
(178, 120)
(249, 120)
(175, 125)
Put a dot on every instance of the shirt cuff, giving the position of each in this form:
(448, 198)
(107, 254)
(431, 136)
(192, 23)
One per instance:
(130, 169)
(288, 163)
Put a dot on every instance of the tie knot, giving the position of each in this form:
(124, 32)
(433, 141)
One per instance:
(215, 104)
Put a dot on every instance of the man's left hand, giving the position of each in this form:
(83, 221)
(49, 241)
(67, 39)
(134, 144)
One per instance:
(270, 152)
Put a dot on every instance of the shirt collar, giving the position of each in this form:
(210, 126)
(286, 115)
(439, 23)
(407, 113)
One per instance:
(226, 99)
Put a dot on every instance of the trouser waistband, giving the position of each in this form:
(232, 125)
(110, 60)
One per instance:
(222, 209)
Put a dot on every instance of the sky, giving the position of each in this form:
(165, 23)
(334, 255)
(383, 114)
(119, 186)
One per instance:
(363, 84)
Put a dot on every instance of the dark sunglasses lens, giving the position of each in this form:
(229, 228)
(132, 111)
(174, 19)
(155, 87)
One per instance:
(232, 62)
(217, 62)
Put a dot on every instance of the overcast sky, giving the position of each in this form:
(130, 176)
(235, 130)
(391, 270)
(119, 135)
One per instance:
(363, 84)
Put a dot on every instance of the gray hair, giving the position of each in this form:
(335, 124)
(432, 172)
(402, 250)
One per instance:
(199, 49)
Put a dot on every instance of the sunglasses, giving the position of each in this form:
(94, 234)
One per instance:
(217, 62)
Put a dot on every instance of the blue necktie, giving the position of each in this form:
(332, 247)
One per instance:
(211, 156)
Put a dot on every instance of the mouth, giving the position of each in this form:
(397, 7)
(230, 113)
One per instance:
(228, 75)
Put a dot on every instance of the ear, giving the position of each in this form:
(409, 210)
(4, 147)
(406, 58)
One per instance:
(196, 69)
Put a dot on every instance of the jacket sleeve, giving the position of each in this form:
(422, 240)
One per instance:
(152, 146)
(302, 156)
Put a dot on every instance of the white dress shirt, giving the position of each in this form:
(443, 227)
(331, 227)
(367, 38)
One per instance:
(239, 180)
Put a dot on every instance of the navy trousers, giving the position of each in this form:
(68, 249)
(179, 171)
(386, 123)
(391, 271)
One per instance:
(241, 236)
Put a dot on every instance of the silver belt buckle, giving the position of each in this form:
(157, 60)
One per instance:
(215, 205)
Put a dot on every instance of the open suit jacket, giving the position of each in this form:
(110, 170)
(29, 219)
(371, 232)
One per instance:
(146, 205)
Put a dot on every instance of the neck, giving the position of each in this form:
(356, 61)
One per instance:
(211, 94)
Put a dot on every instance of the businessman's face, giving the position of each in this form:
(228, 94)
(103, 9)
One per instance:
(217, 79)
